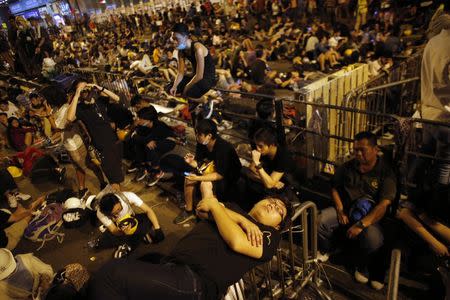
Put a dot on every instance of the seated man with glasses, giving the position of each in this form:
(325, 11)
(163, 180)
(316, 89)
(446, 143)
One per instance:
(362, 190)
(214, 255)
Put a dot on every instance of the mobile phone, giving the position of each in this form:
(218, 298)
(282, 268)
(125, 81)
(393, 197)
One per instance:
(187, 173)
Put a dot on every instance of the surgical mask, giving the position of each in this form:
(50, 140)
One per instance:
(206, 142)
(181, 46)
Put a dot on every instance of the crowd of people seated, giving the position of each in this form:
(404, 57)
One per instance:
(232, 47)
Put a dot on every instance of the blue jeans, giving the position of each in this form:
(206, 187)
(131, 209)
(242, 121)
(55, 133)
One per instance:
(127, 279)
(367, 242)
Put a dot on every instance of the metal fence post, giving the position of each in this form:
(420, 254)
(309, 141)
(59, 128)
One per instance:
(394, 274)
(281, 136)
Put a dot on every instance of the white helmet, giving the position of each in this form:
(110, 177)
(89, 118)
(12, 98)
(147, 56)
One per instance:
(72, 203)
(91, 202)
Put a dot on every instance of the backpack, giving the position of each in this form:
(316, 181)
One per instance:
(360, 208)
(45, 225)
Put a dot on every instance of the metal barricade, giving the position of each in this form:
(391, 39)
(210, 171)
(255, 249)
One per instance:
(394, 275)
(296, 265)
(115, 82)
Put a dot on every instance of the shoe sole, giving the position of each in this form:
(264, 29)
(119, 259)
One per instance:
(140, 178)
(361, 280)
(23, 199)
(185, 220)
(150, 184)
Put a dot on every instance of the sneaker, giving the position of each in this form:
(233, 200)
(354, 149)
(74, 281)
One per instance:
(147, 238)
(12, 200)
(122, 251)
(183, 217)
(152, 180)
(140, 175)
(323, 257)
(360, 277)
(133, 168)
(60, 174)
(22, 197)
(376, 285)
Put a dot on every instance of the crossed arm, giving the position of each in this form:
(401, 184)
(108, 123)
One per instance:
(234, 228)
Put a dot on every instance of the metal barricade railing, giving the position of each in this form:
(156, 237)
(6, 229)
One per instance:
(297, 265)
(394, 275)
(115, 82)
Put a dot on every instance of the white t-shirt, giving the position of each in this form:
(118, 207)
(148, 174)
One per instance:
(12, 111)
(126, 209)
(311, 43)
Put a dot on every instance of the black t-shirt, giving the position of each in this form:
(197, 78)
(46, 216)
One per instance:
(282, 162)
(255, 125)
(4, 216)
(158, 132)
(119, 115)
(226, 160)
(378, 184)
(258, 71)
(206, 253)
(95, 118)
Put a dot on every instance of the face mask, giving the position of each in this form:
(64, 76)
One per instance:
(181, 46)
(206, 142)
(37, 105)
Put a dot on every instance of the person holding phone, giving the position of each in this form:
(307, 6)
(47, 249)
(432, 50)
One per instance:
(215, 161)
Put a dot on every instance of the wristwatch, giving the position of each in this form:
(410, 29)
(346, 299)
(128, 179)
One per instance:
(258, 166)
(360, 224)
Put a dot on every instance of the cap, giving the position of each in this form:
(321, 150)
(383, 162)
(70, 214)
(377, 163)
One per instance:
(72, 202)
(91, 202)
(7, 263)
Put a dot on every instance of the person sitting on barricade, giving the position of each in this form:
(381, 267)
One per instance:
(269, 170)
(215, 160)
(151, 139)
(125, 229)
(362, 191)
(203, 66)
(214, 255)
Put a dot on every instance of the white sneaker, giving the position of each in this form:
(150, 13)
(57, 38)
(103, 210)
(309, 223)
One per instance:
(12, 200)
(323, 257)
(361, 278)
(376, 285)
(22, 197)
